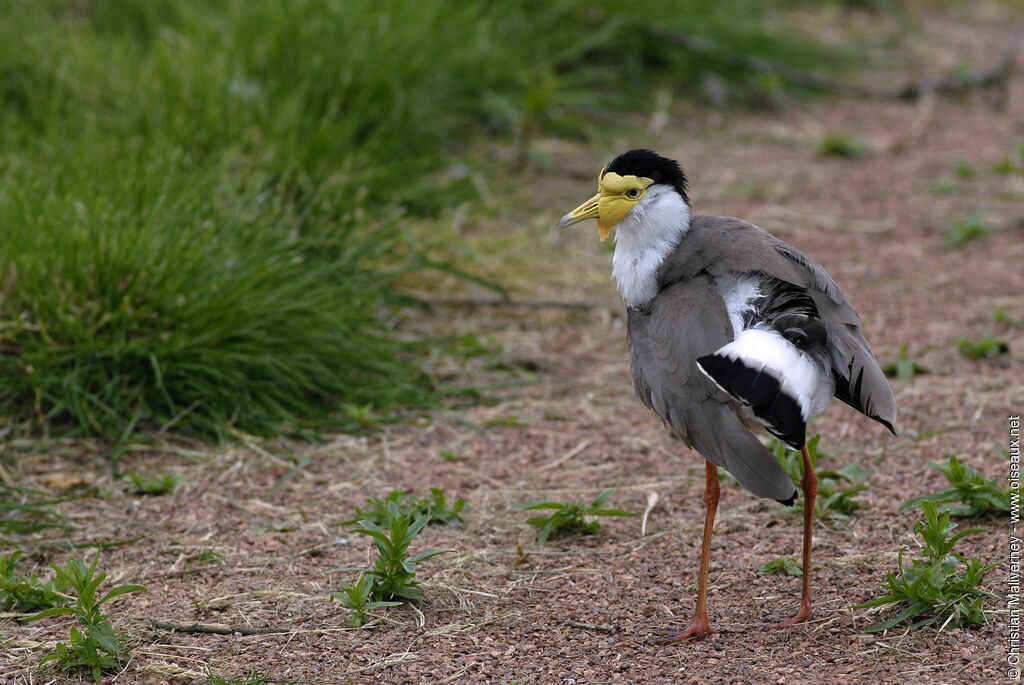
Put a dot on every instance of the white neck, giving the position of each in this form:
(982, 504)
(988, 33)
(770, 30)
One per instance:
(644, 239)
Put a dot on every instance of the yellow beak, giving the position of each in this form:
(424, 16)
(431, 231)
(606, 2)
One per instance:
(587, 210)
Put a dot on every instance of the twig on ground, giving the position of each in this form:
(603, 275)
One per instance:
(565, 457)
(215, 629)
(613, 629)
(652, 501)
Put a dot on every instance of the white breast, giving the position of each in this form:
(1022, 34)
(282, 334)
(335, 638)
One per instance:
(644, 239)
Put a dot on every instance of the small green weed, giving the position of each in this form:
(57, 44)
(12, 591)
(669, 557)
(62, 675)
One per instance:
(837, 144)
(986, 347)
(159, 484)
(963, 169)
(571, 517)
(934, 590)
(835, 501)
(787, 565)
(96, 648)
(1012, 162)
(362, 414)
(963, 231)
(977, 496)
(26, 593)
(357, 596)
(394, 573)
(435, 507)
(449, 456)
(1001, 317)
(904, 368)
(204, 557)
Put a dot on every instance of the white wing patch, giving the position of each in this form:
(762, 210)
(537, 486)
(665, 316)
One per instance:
(739, 294)
(800, 376)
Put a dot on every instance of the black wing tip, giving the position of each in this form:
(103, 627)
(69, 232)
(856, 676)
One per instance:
(887, 424)
(788, 502)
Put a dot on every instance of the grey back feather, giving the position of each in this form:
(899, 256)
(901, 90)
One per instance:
(721, 246)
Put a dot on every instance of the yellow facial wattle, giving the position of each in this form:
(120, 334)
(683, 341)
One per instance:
(616, 196)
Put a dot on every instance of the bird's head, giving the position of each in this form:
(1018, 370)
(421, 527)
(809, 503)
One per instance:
(631, 182)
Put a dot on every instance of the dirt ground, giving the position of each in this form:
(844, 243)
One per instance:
(501, 609)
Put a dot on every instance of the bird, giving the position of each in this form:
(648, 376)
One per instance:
(729, 330)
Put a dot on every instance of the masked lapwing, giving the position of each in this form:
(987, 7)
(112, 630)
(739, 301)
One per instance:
(729, 329)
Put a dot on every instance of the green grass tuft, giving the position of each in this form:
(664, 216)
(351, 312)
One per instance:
(209, 207)
(985, 347)
(24, 511)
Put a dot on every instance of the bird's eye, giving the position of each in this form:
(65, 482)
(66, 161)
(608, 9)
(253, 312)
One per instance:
(634, 193)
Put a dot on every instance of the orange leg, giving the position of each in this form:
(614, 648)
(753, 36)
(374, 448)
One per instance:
(810, 488)
(700, 625)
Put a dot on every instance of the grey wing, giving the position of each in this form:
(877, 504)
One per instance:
(687, 320)
(723, 245)
(860, 381)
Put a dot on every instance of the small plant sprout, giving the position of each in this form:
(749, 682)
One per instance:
(904, 368)
(26, 593)
(203, 557)
(838, 144)
(449, 456)
(964, 169)
(976, 495)
(96, 647)
(569, 517)
(963, 231)
(942, 587)
(435, 507)
(158, 484)
(787, 565)
(1001, 317)
(361, 414)
(357, 597)
(393, 577)
(1012, 162)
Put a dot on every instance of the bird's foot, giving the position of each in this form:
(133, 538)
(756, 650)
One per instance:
(699, 628)
(805, 614)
